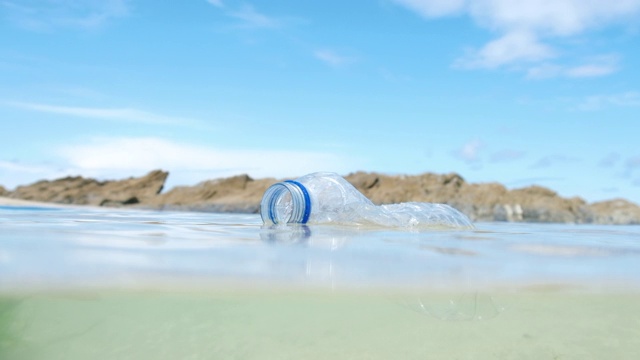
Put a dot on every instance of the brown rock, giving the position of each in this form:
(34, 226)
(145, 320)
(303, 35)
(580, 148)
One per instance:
(616, 211)
(81, 191)
(235, 194)
(385, 189)
(3, 191)
(489, 201)
(539, 204)
(481, 202)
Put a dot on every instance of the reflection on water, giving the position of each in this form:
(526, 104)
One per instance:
(115, 247)
(283, 234)
(115, 284)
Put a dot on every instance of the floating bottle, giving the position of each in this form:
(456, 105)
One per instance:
(325, 197)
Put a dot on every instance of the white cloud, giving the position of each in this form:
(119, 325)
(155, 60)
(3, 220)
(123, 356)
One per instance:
(507, 155)
(217, 3)
(523, 25)
(593, 67)
(553, 17)
(434, 8)
(545, 71)
(332, 58)
(47, 15)
(511, 48)
(590, 71)
(596, 102)
(552, 160)
(114, 114)
(12, 166)
(470, 151)
(14, 173)
(251, 18)
(188, 163)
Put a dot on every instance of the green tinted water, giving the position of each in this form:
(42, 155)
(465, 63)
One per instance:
(246, 324)
(84, 284)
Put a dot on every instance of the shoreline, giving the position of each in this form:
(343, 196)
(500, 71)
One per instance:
(6, 201)
(242, 194)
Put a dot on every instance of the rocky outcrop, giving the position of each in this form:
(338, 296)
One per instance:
(481, 202)
(616, 211)
(385, 189)
(80, 191)
(3, 191)
(235, 194)
(493, 201)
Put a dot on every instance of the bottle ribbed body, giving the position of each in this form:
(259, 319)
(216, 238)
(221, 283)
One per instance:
(329, 198)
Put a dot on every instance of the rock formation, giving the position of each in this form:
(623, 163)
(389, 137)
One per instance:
(616, 211)
(493, 201)
(481, 202)
(235, 194)
(80, 191)
(3, 191)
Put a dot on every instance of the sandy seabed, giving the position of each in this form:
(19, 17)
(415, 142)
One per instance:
(319, 325)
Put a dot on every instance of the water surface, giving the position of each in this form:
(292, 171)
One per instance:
(81, 283)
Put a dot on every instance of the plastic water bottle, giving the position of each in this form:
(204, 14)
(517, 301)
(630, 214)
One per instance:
(325, 197)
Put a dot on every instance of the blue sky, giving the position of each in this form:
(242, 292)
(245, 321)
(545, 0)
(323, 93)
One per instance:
(519, 92)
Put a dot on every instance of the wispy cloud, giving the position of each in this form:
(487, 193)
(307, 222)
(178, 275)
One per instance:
(392, 76)
(248, 16)
(590, 70)
(434, 8)
(610, 160)
(552, 160)
(507, 155)
(49, 15)
(533, 180)
(15, 173)
(15, 166)
(597, 102)
(525, 28)
(632, 165)
(593, 67)
(190, 163)
(470, 151)
(216, 3)
(187, 163)
(559, 17)
(511, 48)
(333, 58)
(112, 114)
(633, 162)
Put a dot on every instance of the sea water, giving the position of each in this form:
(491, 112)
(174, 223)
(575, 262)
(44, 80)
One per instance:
(79, 283)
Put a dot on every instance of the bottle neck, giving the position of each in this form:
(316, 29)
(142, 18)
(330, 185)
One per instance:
(286, 202)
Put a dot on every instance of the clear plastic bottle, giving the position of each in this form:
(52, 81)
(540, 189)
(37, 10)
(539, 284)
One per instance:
(326, 197)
